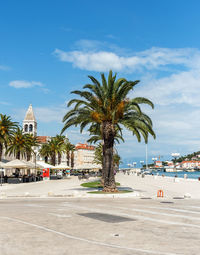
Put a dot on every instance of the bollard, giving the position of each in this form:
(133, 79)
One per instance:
(160, 193)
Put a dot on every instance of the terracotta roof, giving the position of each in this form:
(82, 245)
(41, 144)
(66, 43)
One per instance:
(84, 146)
(43, 139)
(29, 114)
(190, 161)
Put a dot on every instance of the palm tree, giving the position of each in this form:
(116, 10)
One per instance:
(67, 149)
(45, 152)
(31, 142)
(53, 148)
(60, 139)
(72, 149)
(98, 156)
(19, 144)
(108, 105)
(117, 160)
(7, 127)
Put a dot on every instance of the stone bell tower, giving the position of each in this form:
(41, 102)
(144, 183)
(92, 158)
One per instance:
(29, 122)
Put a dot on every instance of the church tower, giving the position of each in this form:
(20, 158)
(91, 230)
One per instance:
(30, 123)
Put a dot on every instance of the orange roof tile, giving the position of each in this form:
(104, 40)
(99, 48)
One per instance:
(84, 146)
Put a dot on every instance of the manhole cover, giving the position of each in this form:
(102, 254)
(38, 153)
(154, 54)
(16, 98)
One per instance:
(106, 217)
(178, 197)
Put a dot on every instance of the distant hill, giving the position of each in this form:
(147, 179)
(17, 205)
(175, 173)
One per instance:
(192, 156)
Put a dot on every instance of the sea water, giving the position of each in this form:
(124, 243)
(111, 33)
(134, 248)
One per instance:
(190, 175)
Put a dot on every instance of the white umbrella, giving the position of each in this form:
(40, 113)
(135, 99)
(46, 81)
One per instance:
(61, 166)
(44, 165)
(88, 166)
(16, 164)
(2, 164)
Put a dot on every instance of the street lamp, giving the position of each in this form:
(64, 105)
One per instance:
(35, 153)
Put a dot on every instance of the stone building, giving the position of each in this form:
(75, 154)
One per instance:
(29, 122)
(83, 154)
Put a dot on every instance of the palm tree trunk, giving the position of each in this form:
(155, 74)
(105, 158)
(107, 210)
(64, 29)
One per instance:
(108, 169)
(59, 158)
(68, 157)
(72, 159)
(103, 166)
(46, 159)
(18, 155)
(1, 151)
(53, 158)
(28, 156)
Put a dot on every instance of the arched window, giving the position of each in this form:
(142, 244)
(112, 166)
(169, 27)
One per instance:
(30, 128)
(26, 128)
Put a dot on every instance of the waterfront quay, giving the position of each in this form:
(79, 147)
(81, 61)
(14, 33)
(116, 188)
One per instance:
(99, 226)
(60, 217)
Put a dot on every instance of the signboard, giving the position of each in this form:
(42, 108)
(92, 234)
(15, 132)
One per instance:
(46, 174)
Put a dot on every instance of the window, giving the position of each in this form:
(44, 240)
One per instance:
(30, 128)
(26, 128)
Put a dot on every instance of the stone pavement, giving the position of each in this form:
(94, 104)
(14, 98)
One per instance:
(142, 187)
(88, 226)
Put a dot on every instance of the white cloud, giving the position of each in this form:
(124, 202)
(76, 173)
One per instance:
(179, 88)
(50, 114)
(4, 103)
(93, 59)
(24, 84)
(4, 68)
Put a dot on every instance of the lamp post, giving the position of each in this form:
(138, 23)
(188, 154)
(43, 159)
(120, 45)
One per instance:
(35, 153)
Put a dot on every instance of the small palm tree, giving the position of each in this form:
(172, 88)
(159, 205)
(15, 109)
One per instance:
(60, 139)
(7, 128)
(45, 152)
(67, 149)
(19, 144)
(108, 105)
(72, 149)
(31, 143)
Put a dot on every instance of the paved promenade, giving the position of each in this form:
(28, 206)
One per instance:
(88, 226)
(61, 218)
(142, 187)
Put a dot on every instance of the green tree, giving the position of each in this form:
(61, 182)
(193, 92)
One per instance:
(98, 154)
(31, 143)
(7, 128)
(53, 148)
(45, 152)
(108, 105)
(60, 139)
(67, 148)
(18, 144)
(72, 149)
(117, 160)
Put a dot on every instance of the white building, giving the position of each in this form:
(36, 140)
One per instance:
(29, 122)
(83, 154)
(189, 164)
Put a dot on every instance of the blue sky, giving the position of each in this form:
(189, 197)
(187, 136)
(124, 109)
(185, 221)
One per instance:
(47, 49)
